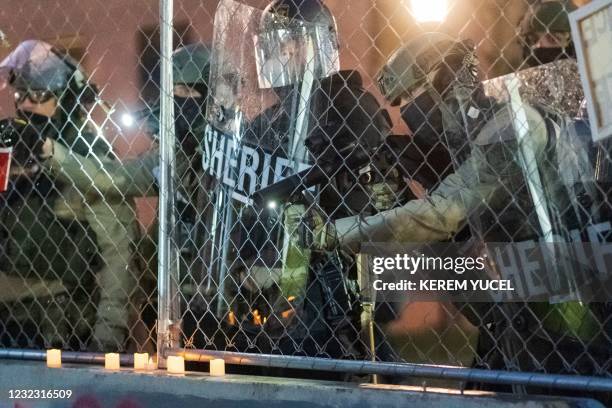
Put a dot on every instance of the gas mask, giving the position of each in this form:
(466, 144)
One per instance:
(463, 113)
(188, 116)
(424, 118)
(31, 131)
(433, 120)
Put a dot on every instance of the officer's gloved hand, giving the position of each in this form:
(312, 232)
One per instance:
(314, 230)
(259, 278)
(384, 195)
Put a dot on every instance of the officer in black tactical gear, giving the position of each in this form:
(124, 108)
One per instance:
(308, 115)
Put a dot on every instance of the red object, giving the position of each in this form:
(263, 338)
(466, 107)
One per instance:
(5, 166)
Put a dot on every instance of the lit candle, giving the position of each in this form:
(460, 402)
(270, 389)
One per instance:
(54, 358)
(176, 365)
(217, 367)
(152, 364)
(111, 361)
(141, 360)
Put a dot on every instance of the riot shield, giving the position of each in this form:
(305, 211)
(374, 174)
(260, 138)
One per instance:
(514, 139)
(539, 218)
(261, 109)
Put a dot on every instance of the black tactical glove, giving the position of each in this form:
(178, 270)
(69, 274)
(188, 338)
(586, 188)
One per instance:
(333, 144)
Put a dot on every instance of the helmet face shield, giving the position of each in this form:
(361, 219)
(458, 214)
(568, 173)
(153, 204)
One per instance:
(288, 53)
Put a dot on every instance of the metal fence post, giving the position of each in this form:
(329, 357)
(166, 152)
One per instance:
(167, 280)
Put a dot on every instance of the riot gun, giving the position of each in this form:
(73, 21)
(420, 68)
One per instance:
(22, 139)
(370, 164)
(396, 152)
(352, 157)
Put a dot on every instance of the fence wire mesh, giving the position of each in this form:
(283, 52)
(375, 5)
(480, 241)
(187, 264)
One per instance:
(303, 132)
(74, 243)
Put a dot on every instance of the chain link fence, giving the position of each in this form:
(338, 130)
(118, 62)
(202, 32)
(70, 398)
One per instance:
(77, 253)
(300, 134)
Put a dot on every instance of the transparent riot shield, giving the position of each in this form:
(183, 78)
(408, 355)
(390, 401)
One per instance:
(538, 211)
(261, 108)
(530, 174)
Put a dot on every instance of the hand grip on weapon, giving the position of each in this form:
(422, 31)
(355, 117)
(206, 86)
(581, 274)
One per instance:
(334, 149)
(314, 231)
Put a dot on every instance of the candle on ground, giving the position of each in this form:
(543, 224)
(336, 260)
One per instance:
(141, 361)
(54, 358)
(111, 361)
(176, 365)
(217, 367)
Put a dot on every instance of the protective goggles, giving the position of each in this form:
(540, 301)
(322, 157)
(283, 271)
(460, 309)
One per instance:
(33, 96)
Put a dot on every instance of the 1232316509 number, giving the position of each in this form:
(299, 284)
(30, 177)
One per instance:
(40, 394)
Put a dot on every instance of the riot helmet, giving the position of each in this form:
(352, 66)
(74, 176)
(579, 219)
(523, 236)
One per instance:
(296, 38)
(430, 62)
(434, 78)
(40, 73)
(190, 66)
(190, 69)
(190, 76)
(36, 67)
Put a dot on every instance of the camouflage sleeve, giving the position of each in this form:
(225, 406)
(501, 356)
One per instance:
(103, 177)
(474, 183)
(105, 188)
(434, 218)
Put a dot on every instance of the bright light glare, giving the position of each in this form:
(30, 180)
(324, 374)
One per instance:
(272, 205)
(127, 120)
(429, 10)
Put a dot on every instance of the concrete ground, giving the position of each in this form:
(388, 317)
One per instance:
(94, 387)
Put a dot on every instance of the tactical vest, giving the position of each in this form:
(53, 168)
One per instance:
(35, 242)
